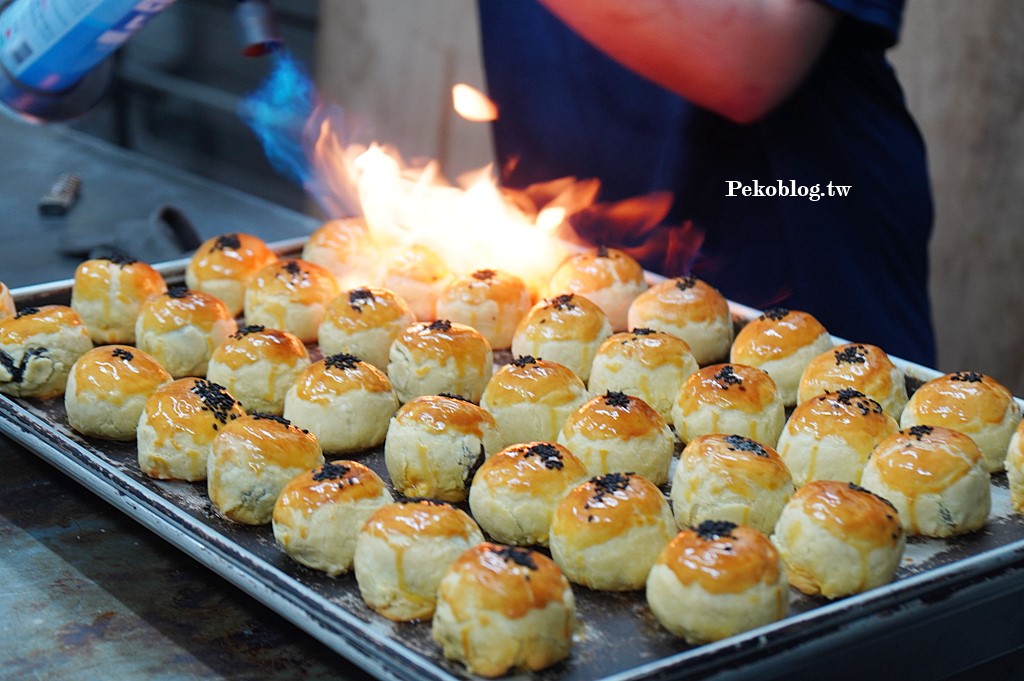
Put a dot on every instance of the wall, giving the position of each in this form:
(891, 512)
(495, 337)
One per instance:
(962, 67)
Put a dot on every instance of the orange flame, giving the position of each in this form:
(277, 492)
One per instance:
(472, 104)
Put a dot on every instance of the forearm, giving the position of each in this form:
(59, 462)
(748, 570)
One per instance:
(739, 58)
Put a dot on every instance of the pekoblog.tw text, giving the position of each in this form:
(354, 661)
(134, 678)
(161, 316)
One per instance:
(782, 188)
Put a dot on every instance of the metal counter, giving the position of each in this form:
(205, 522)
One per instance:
(88, 593)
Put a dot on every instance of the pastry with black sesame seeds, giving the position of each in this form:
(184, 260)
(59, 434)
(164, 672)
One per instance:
(178, 425)
(531, 398)
(936, 478)
(38, 347)
(258, 365)
(781, 342)
(224, 265)
(251, 460)
(345, 248)
(830, 437)
(566, 328)
(430, 358)
(859, 366)
(181, 328)
(291, 295)
(618, 432)
(644, 363)
(716, 580)
(345, 402)
(838, 539)
(417, 274)
(607, 532)
(730, 477)
(729, 398)
(364, 322)
(402, 552)
(608, 277)
(502, 609)
(435, 443)
(515, 491)
(973, 403)
(108, 292)
(490, 301)
(107, 390)
(690, 309)
(318, 515)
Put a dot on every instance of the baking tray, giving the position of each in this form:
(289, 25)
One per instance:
(618, 637)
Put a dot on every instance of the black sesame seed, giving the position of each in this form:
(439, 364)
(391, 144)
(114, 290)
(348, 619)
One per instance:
(738, 443)
(920, 432)
(643, 331)
(293, 268)
(120, 259)
(178, 291)
(562, 302)
(341, 361)
(440, 325)
(548, 455)
(776, 314)
(272, 417)
(709, 530)
(453, 396)
(122, 353)
(523, 360)
(687, 282)
(484, 275)
(26, 311)
(609, 484)
(226, 241)
(854, 354)
(602, 251)
(967, 377)
(514, 554)
(726, 377)
(216, 399)
(613, 398)
(246, 330)
(359, 297)
(331, 471)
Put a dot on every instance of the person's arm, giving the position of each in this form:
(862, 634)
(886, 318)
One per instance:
(739, 58)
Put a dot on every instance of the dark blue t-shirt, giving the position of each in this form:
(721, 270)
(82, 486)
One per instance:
(858, 263)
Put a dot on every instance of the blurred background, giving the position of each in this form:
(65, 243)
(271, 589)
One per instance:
(181, 81)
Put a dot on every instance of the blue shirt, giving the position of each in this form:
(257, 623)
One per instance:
(856, 262)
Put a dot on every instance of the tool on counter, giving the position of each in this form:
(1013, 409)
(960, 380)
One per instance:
(62, 195)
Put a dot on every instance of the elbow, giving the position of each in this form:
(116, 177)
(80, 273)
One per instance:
(748, 105)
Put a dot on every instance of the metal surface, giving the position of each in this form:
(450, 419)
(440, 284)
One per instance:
(619, 638)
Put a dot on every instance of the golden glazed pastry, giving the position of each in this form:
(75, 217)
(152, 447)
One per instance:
(504, 608)
(973, 403)
(107, 390)
(181, 328)
(490, 301)
(435, 443)
(107, 294)
(862, 367)
(619, 432)
(402, 552)
(417, 275)
(258, 365)
(647, 364)
(515, 491)
(607, 532)
(319, 513)
(251, 460)
(608, 277)
(781, 342)
(291, 295)
(690, 309)
(440, 357)
(344, 248)
(531, 398)
(345, 402)
(935, 477)
(7, 307)
(1015, 468)
(729, 398)
(730, 477)
(838, 539)
(831, 436)
(38, 346)
(717, 580)
(567, 329)
(364, 322)
(177, 427)
(224, 265)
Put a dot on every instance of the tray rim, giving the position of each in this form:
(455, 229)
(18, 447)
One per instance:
(386, 657)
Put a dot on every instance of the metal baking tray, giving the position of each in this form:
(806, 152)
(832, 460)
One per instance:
(618, 637)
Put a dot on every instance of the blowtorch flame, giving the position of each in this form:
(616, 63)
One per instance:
(470, 225)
